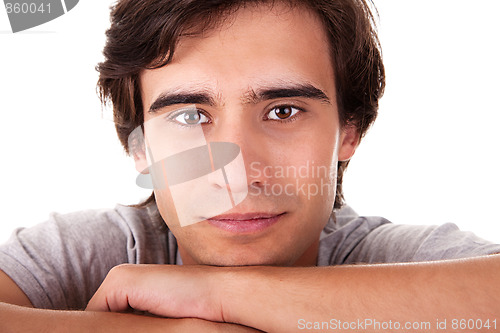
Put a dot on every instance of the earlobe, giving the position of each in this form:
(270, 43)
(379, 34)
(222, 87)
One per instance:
(349, 140)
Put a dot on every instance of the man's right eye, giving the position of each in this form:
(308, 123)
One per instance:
(190, 118)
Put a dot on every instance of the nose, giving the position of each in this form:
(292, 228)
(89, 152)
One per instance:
(244, 172)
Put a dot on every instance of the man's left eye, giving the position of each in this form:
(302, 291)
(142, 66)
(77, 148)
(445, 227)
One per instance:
(282, 112)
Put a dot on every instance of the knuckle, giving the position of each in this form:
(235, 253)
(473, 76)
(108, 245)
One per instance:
(119, 272)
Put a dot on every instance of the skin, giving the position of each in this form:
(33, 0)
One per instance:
(275, 299)
(271, 299)
(231, 63)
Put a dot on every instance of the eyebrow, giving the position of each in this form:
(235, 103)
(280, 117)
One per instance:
(173, 98)
(304, 90)
(177, 96)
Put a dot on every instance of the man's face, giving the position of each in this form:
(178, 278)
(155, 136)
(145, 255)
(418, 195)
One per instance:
(264, 81)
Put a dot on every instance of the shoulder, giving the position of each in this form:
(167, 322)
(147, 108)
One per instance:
(110, 223)
(74, 252)
(372, 239)
(344, 231)
(128, 234)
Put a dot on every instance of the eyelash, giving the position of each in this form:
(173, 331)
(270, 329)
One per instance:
(172, 116)
(287, 120)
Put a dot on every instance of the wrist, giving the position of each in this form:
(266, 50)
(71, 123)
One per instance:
(245, 295)
(231, 287)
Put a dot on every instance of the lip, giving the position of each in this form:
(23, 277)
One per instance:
(245, 223)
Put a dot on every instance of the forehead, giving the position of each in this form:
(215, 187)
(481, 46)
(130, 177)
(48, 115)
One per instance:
(256, 46)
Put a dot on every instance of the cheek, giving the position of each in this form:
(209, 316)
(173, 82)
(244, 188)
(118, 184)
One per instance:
(312, 167)
(314, 179)
(166, 207)
(315, 150)
(188, 236)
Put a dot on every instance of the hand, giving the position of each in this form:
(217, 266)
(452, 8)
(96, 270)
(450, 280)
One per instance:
(167, 291)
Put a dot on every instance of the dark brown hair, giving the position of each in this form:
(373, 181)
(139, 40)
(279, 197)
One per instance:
(144, 34)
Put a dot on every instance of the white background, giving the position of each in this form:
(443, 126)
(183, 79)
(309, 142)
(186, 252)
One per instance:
(432, 156)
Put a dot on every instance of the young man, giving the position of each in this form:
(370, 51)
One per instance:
(274, 96)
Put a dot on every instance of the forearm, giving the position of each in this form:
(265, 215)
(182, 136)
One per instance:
(275, 299)
(15, 318)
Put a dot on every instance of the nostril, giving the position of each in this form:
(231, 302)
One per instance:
(256, 183)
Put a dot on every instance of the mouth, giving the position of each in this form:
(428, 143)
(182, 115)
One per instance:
(245, 223)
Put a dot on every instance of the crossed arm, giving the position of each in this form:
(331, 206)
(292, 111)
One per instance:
(277, 299)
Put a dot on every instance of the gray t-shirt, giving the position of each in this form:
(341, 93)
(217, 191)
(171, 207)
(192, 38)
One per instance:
(59, 264)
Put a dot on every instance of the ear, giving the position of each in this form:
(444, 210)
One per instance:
(348, 142)
(140, 159)
(137, 149)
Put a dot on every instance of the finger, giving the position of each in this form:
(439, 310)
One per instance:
(112, 295)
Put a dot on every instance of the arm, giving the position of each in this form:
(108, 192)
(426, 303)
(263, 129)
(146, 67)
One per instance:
(11, 293)
(15, 308)
(21, 319)
(276, 299)
(416, 292)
